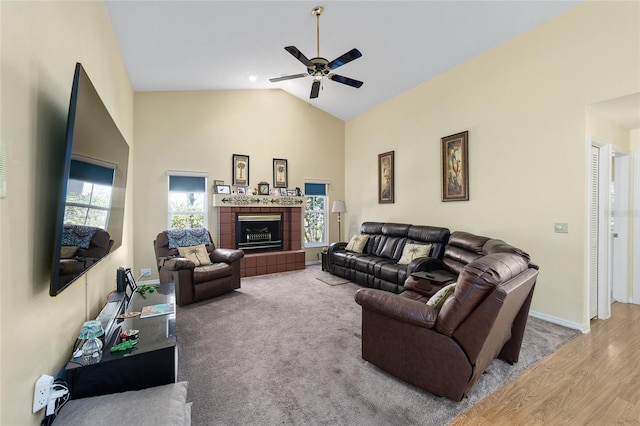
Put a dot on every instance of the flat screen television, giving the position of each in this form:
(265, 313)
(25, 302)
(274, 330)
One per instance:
(90, 211)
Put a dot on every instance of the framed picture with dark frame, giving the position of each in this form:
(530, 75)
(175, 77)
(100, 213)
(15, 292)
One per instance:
(386, 193)
(280, 173)
(240, 169)
(455, 167)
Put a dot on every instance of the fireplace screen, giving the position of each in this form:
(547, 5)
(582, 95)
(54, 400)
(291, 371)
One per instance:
(257, 232)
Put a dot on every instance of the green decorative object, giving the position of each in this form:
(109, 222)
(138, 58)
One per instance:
(124, 346)
(146, 287)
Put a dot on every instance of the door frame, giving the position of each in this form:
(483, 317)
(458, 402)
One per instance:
(620, 215)
(604, 234)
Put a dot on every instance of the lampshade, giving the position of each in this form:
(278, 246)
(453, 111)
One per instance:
(339, 207)
(91, 329)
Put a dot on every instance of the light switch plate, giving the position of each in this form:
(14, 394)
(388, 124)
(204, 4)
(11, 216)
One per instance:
(561, 227)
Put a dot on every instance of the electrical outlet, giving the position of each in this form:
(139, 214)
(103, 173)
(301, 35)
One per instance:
(41, 394)
(145, 272)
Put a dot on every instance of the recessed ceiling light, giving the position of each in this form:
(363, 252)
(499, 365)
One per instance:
(252, 78)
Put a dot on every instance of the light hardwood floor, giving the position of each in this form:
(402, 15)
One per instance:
(592, 380)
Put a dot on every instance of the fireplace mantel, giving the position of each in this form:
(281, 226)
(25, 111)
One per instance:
(232, 200)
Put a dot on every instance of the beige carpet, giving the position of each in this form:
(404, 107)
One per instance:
(329, 279)
(285, 349)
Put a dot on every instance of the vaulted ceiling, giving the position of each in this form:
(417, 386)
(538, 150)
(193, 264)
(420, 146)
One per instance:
(218, 45)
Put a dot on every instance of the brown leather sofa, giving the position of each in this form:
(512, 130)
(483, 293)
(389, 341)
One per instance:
(377, 266)
(445, 351)
(195, 283)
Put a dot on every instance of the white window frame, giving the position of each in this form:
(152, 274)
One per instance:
(325, 237)
(205, 212)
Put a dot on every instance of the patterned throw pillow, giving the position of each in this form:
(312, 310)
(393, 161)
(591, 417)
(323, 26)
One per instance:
(413, 251)
(357, 243)
(197, 254)
(437, 300)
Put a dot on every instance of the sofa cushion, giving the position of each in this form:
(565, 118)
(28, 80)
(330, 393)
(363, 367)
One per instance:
(197, 254)
(67, 252)
(211, 272)
(160, 405)
(389, 247)
(437, 300)
(413, 251)
(357, 243)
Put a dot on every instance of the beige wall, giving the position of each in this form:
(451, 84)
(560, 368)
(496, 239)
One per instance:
(524, 105)
(200, 132)
(40, 45)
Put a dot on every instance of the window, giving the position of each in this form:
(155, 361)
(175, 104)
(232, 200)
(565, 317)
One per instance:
(315, 215)
(187, 201)
(89, 191)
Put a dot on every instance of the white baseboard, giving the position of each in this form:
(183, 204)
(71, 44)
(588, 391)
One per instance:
(148, 282)
(560, 321)
(312, 262)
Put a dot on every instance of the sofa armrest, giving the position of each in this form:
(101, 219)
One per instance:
(426, 264)
(333, 247)
(226, 255)
(399, 308)
(178, 264)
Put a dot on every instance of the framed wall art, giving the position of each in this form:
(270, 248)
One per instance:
(386, 170)
(455, 167)
(280, 173)
(240, 167)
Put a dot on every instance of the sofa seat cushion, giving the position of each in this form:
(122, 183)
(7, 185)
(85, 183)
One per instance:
(391, 271)
(344, 258)
(211, 272)
(366, 263)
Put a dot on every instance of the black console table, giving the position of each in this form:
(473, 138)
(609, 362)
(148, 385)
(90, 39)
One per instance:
(152, 362)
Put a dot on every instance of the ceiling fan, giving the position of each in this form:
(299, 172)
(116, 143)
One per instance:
(318, 67)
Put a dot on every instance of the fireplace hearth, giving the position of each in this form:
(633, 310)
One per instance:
(259, 232)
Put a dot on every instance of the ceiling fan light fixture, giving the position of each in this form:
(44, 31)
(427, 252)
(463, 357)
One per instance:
(319, 67)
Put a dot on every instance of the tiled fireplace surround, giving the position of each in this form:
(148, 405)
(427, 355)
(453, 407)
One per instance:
(289, 259)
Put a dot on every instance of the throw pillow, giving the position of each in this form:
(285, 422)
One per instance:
(197, 254)
(413, 251)
(437, 300)
(357, 243)
(67, 252)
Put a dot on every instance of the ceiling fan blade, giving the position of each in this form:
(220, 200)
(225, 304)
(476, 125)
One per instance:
(344, 59)
(287, 77)
(346, 80)
(299, 56)
(315, 89)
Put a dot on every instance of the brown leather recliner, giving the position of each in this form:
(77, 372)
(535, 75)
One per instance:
(446, 351)
(195, 283)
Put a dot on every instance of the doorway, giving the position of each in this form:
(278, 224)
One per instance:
(608, 229)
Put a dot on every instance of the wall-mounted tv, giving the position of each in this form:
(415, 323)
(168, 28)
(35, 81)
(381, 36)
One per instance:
(90, 213)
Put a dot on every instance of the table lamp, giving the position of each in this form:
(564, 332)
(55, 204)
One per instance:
(339, 207)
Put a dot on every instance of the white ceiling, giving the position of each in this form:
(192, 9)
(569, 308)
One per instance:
(217, 45)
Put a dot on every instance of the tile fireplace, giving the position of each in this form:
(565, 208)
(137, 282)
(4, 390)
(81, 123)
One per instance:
(260, 259)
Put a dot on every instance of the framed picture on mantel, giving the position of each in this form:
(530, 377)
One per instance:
(240, 170)
(280, 173)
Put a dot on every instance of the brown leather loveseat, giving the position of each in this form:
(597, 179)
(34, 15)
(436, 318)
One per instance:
(446, 350)
(195, 283)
